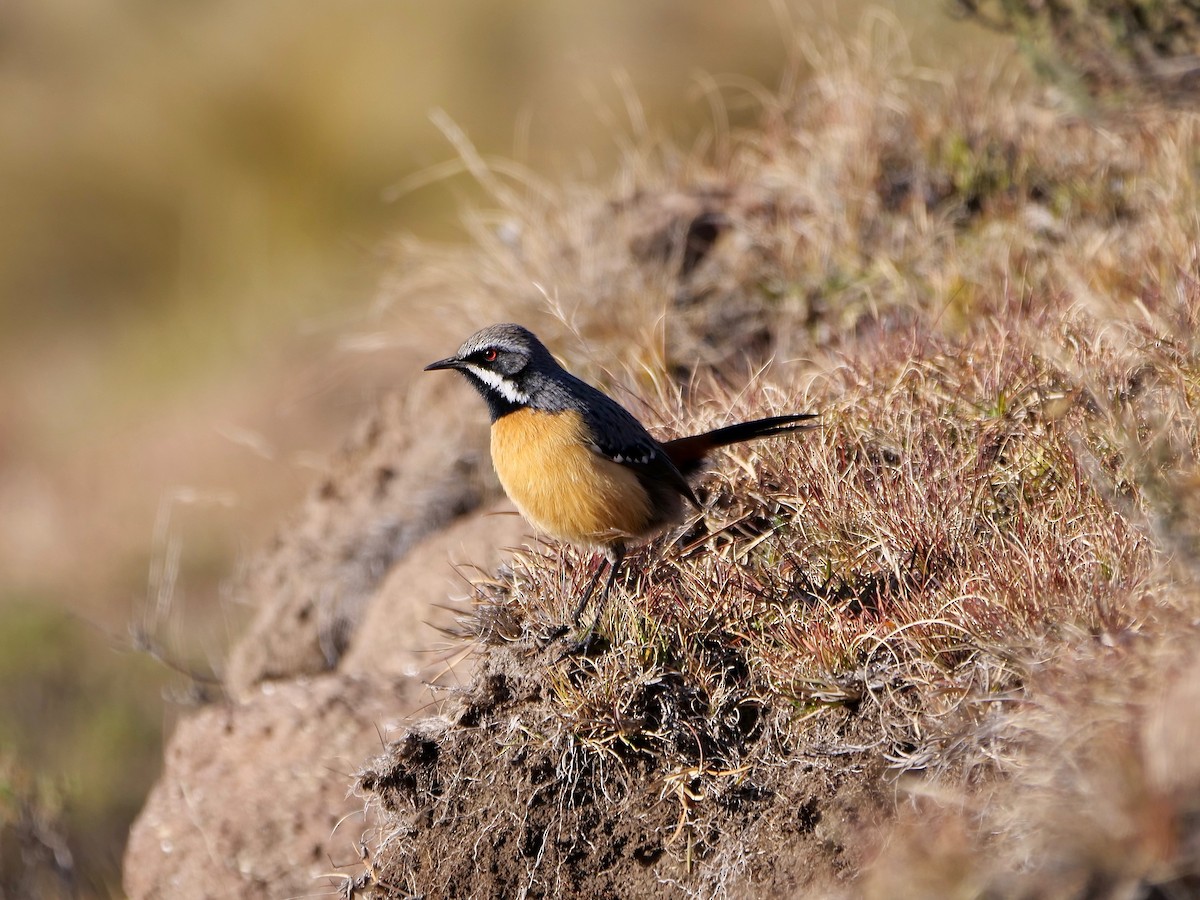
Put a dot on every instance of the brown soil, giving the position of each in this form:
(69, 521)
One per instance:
(476, 813)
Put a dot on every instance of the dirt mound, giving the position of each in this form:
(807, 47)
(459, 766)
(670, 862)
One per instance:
(492, 794)
(252, 801)
(388, 490)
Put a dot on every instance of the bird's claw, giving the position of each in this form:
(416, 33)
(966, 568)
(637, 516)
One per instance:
(553, 636)
(579, 649)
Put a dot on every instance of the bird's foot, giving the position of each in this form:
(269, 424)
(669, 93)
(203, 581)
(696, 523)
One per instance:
(581, 649)
(553, 636)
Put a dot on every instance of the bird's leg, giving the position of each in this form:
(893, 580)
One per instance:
(591, 589)
(615, 556)
(583, 602)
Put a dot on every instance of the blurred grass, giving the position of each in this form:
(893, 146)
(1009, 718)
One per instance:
(195, 197)
(1111, 50)
(86, 718)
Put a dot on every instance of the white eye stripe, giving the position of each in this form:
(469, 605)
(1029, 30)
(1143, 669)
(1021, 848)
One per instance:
(501, 385)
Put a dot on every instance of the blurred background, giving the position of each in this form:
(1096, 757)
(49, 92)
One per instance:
(196, 200)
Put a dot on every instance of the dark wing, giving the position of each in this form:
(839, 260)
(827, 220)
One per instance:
(618, 436)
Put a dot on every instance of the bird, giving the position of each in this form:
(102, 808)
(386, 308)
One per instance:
(579, 466)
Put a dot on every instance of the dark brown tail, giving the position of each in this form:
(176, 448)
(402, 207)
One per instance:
(688, 453)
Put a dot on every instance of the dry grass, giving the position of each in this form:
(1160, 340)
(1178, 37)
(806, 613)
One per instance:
(979, 572)
(1121, 47)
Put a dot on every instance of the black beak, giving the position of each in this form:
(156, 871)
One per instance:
(451, 362)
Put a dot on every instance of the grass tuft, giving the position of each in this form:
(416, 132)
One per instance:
(963, 590)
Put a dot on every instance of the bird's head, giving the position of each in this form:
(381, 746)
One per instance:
(502, 362)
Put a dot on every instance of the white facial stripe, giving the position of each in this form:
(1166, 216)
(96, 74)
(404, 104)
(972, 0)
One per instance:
(499, 384)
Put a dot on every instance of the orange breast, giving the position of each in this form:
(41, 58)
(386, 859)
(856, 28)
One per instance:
(561, 486)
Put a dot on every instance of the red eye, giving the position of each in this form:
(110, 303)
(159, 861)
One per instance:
(490, 354)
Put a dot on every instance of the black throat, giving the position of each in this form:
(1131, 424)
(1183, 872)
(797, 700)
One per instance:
(498, 405)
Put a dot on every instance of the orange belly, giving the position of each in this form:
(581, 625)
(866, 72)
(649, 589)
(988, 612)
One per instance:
(561, 486)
